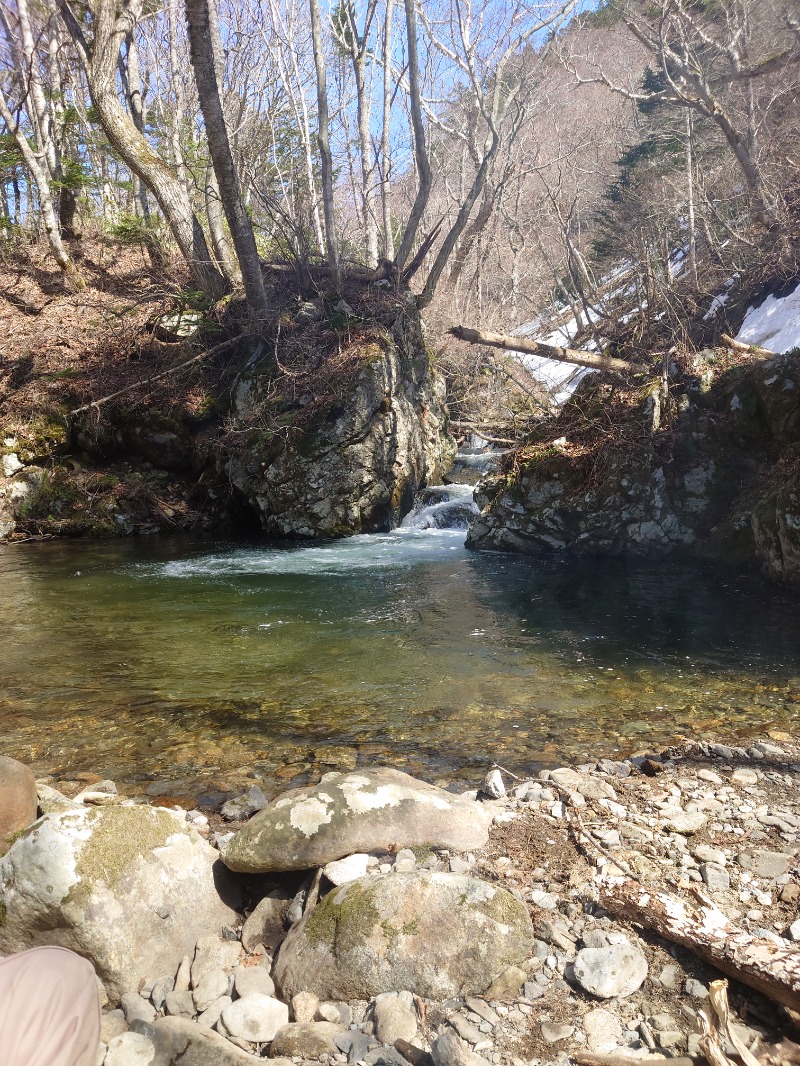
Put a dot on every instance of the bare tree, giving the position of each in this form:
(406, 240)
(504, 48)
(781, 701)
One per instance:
(204, 43)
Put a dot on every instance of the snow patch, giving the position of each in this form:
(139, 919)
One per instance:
(774, 324)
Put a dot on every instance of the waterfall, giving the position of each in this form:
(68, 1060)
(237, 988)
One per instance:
(452, 506)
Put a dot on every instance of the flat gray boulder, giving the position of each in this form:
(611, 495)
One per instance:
(356, 812)
(129, 887)
(440, 936)
(178, 1041)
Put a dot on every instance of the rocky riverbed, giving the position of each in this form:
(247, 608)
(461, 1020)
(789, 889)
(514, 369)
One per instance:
(368, 915)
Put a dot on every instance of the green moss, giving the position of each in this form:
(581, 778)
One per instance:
(120, 835)
(347, 923)
(3, 914)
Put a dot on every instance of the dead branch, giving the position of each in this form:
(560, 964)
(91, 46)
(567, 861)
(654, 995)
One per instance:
(740, 346)
(162, 374)
(621, 1058)
(770, 968)
(548, 351)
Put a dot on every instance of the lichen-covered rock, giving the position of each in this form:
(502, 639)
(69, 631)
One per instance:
(711, 470)
(129, 887)
(18, 799)
(436, 935)
(358, 465)
(348, 813)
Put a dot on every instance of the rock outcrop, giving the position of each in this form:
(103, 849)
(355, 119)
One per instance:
(126, 886)
(436, 935)
(348, 813)
(361, 459)
(712, 470)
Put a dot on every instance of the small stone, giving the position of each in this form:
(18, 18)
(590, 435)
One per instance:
(327, 1012)
(715, 877)
(247, 979)
(266, 924)
(695, 989)
(744, 776)
(794, 930)
(790, 893)
(705, 853)
(450, 1050)
(135, 1006)
(112, 1024)
(483, 1010)
(211, 1015)
(183, 976)
(213, 953)
(212, 985)
(130, 1049)
(466, 1030)
(669, 1038)
(493, 785)
(158, 993)
(617, 970)
(304, 1007)
(355, 1045)
(684, 821)
(767, 864)
(710, 776)
(255, 1018)
(603, 1030)
(179, 1004)
(670, 977)
(552, 1032)
(395, 1017)
(341, 871)
(507, 984)
(244, 806)
(306, 1040)
(458, 865)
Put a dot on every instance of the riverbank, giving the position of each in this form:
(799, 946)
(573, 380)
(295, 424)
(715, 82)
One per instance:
(705, 821)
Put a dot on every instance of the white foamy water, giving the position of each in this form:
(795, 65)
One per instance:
(373, 551)
(443, 507)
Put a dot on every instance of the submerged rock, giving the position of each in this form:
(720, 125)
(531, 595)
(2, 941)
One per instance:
(348, 813)
(436, 935)
(127, 887)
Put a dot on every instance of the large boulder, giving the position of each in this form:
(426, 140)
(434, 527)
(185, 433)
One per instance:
(129, 887)
(347, 813)
(18, 799)
(437, 935)
(355, 461)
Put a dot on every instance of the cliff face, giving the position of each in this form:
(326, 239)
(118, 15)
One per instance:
(325, 429)
(711, 467)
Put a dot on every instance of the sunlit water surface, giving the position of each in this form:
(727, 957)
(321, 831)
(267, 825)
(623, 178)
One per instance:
(191, 659)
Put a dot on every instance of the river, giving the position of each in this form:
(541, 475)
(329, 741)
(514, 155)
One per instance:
(192, 659)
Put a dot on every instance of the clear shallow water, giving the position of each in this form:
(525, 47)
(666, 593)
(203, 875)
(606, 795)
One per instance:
(187, 658)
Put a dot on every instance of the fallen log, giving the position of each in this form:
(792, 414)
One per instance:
(768, 967)
(740, 346)
(548, 351)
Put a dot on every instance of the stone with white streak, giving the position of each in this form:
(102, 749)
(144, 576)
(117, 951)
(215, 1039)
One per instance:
(355, 812)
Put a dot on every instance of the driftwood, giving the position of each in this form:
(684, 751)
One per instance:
(413, 1054)
(548, 351)
(771, 968)
(740, 346)
(623, 1058)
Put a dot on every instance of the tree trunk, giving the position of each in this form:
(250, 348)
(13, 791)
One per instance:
(100, 64)
(424, 175)
(216, 227)
(323, 138)
(548, 351)
(201, 45)
(772, 969)
(39, 175)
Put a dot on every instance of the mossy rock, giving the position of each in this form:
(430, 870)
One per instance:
(129, 887)
(437, 935)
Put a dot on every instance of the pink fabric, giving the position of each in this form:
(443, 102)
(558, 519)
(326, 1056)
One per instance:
(49, 1009)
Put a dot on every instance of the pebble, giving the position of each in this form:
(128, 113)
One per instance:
(493, 785)
(130, 1049)
(254, 1017)
(161, 986)
(744, 776)
(715, 877)
(247, 979)
(616, 970)
(553, 1032)
(767, 864)
(395, 1017)
(340, 871)
(304, 1007)
(212, 985)
(112, 1024)
(794, 930)
(180, 1004)
(695, 989)
(603, 1030)
(135, 1006)
(211, 1015)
